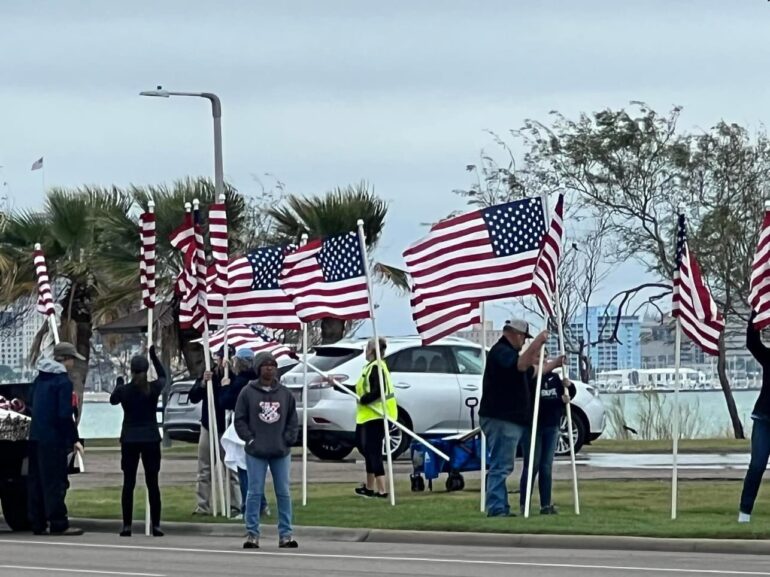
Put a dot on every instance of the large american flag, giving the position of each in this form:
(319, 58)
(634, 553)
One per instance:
(760, 277)
(44, 297)
(693, 304)
(326, 278)
(248, 337)
(545, 278)
(147, 259)
(483, 255)
(254, 293)
(218, 239)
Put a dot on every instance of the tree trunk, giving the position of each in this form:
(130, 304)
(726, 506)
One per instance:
(724, 381)
(332, 330)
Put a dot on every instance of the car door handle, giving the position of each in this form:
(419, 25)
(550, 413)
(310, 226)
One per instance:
(471, 387)
(403, 386)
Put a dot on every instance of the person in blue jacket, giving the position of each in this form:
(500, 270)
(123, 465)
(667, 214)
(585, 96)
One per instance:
(52, 436)
(555, 393)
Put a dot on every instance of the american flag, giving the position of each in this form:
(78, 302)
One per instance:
(248, 337)
(434, 324)
(218, 239)
(254, 294)
(693, 304)
(326, 278)
(44, 297)
(482, 255)
(200, 309)
(187, 284)
(760, 277)
(147, 259)
(547, 268)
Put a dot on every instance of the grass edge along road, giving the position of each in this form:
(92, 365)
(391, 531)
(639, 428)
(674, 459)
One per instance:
(707, 509)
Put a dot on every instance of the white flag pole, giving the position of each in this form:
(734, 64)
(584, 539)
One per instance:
(481, 433)
(533, 439)
(563, 352)
(378, 355)
(303, 242)
(675, 424)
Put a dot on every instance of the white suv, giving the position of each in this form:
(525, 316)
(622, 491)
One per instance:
(435, 385)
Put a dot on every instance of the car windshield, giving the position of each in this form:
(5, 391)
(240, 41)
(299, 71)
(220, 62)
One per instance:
(328, 358)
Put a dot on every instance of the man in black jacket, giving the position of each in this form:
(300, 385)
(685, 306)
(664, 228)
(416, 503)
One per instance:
(505, 414)
(52, 436)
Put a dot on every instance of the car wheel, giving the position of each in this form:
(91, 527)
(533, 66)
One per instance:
(329, 449)
(579, 433)
(14, 501)
(399, 441)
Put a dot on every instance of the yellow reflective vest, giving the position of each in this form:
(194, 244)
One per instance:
(366, 413)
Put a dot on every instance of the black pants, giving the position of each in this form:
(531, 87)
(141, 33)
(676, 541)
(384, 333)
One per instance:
(47, 486)
(129, 463)
(370, 438)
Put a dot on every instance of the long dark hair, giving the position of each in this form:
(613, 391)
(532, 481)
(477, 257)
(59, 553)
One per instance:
(140, 381)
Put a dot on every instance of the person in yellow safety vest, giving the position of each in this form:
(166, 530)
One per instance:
(370, 430)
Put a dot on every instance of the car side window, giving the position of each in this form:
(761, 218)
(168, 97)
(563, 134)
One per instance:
(421, 360)
(468, 360)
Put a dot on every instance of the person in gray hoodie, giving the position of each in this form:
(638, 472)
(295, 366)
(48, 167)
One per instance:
(266, 420)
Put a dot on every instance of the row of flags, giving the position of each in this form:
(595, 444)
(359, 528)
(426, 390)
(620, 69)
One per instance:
(503, 251)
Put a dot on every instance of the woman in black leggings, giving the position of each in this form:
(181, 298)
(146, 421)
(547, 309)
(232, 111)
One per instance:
(140, 438)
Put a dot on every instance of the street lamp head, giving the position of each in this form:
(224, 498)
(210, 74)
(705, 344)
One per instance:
(159, 92)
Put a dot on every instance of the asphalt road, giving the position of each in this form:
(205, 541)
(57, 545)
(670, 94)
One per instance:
(108, 555)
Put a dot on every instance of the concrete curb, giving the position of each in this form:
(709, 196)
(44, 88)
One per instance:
(457, 539)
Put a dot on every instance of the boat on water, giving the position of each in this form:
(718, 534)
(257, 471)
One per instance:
(664, 381)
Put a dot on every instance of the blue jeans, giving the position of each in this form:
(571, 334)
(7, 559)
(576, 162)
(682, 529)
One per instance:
(257, 471)
(243, 482)
(503, 438)
(545, 449)
(760, 453)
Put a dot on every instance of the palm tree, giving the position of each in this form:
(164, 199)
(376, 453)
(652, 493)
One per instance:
(338, 212)
(70, 228)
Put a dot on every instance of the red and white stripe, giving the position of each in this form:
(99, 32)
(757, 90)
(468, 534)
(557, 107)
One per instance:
(759, 296)
(692, 303)
(218, 239)
(45, 303)
(244, 337)
(147, 259)
(187, 288)
(434, 324)
(545, 277)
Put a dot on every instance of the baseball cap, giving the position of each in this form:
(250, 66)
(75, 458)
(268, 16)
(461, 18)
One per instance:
(64, 349)
(518, 326)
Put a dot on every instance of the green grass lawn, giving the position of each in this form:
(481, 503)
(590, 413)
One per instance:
(691, 446)
(707, 509)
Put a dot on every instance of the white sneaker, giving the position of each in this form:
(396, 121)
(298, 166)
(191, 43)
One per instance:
(238, 517)
(744, 518)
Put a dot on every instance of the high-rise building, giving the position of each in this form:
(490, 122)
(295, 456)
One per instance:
(17, 338)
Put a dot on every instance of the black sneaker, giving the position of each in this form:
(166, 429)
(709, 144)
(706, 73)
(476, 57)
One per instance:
(125, 531)
(380, 495)
(252, 542)
(362, 491)
(156, 532)
(549, 510)
(287, 543)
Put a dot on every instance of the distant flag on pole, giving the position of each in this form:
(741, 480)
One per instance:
(326, 278)
(759, 296)
(44, 297)
(38, 164)
(545, 277)
(693, 304)
(147, 259)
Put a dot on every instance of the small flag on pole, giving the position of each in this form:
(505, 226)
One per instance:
(326, 278)
(38, 164)
(545, 277)
(147, 260)
(692, 300)
(45, 298)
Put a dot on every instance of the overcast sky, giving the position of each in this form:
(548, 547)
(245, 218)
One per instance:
(328, 93)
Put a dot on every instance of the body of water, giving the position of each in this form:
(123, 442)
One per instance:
(103, 421)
